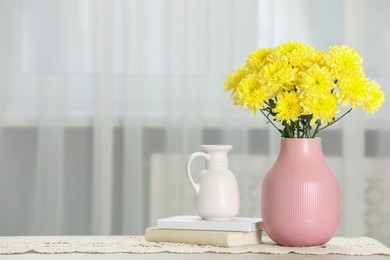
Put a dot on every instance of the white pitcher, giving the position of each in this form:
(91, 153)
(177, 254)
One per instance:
(217, 196)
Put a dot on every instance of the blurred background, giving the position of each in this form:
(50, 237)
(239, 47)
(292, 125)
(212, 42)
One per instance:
(102, 102)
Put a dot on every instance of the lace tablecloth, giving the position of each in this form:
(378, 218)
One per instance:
(138, 245)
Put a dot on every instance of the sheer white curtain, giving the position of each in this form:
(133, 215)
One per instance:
(101, 102)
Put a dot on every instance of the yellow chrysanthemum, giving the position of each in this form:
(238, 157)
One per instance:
(250, 94)
(277, 76)
(316, 77)
(319, 58)
(296, 54)
(234, 79)
(352, 90)
(344, 61)
(287, 107)
(257, 59)
(290, 47)
(374, 99)
(321, 104)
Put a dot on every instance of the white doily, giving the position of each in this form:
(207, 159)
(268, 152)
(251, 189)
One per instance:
(138, 245)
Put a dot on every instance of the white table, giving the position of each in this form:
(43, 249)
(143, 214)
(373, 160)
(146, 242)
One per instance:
(135, 247)
(162, 256)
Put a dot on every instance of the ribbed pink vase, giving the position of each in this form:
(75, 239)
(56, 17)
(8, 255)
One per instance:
(300, 195)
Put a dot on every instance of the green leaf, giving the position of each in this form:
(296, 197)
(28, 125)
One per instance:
(271, 103)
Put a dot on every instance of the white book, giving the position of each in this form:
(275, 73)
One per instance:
(195, 222)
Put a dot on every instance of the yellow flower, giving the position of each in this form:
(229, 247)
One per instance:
(374, 99)
(257, 59)
(250, 94)
(321, 104)
(352, 90)
(289, 48)
(235, 78)
(287, 107)
(344, 61)
(316, 77)
(296, 54)
(319, 58)
(277, 76)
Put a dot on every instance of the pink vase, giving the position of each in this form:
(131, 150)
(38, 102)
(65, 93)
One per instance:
(300, 195)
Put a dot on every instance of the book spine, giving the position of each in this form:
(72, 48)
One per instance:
(188, 237)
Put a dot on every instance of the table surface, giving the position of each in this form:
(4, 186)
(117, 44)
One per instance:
(186, 256)
(61, 247)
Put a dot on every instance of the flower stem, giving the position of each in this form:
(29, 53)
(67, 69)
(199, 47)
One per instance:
(317, 129)
(269, 120)
(329, 124)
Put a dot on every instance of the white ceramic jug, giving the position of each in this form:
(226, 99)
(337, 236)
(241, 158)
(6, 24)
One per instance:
(217, 196)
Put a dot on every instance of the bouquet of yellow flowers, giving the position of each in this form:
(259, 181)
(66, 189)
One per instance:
(303, 88)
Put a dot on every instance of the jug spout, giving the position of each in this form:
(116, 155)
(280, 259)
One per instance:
(213, 148)
(218, 155)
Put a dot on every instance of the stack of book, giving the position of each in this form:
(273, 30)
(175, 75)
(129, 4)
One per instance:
(194, 230)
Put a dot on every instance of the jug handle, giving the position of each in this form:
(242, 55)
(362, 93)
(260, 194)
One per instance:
(188, 170)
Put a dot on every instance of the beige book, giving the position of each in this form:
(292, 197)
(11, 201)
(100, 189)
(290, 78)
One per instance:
(203, 237)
